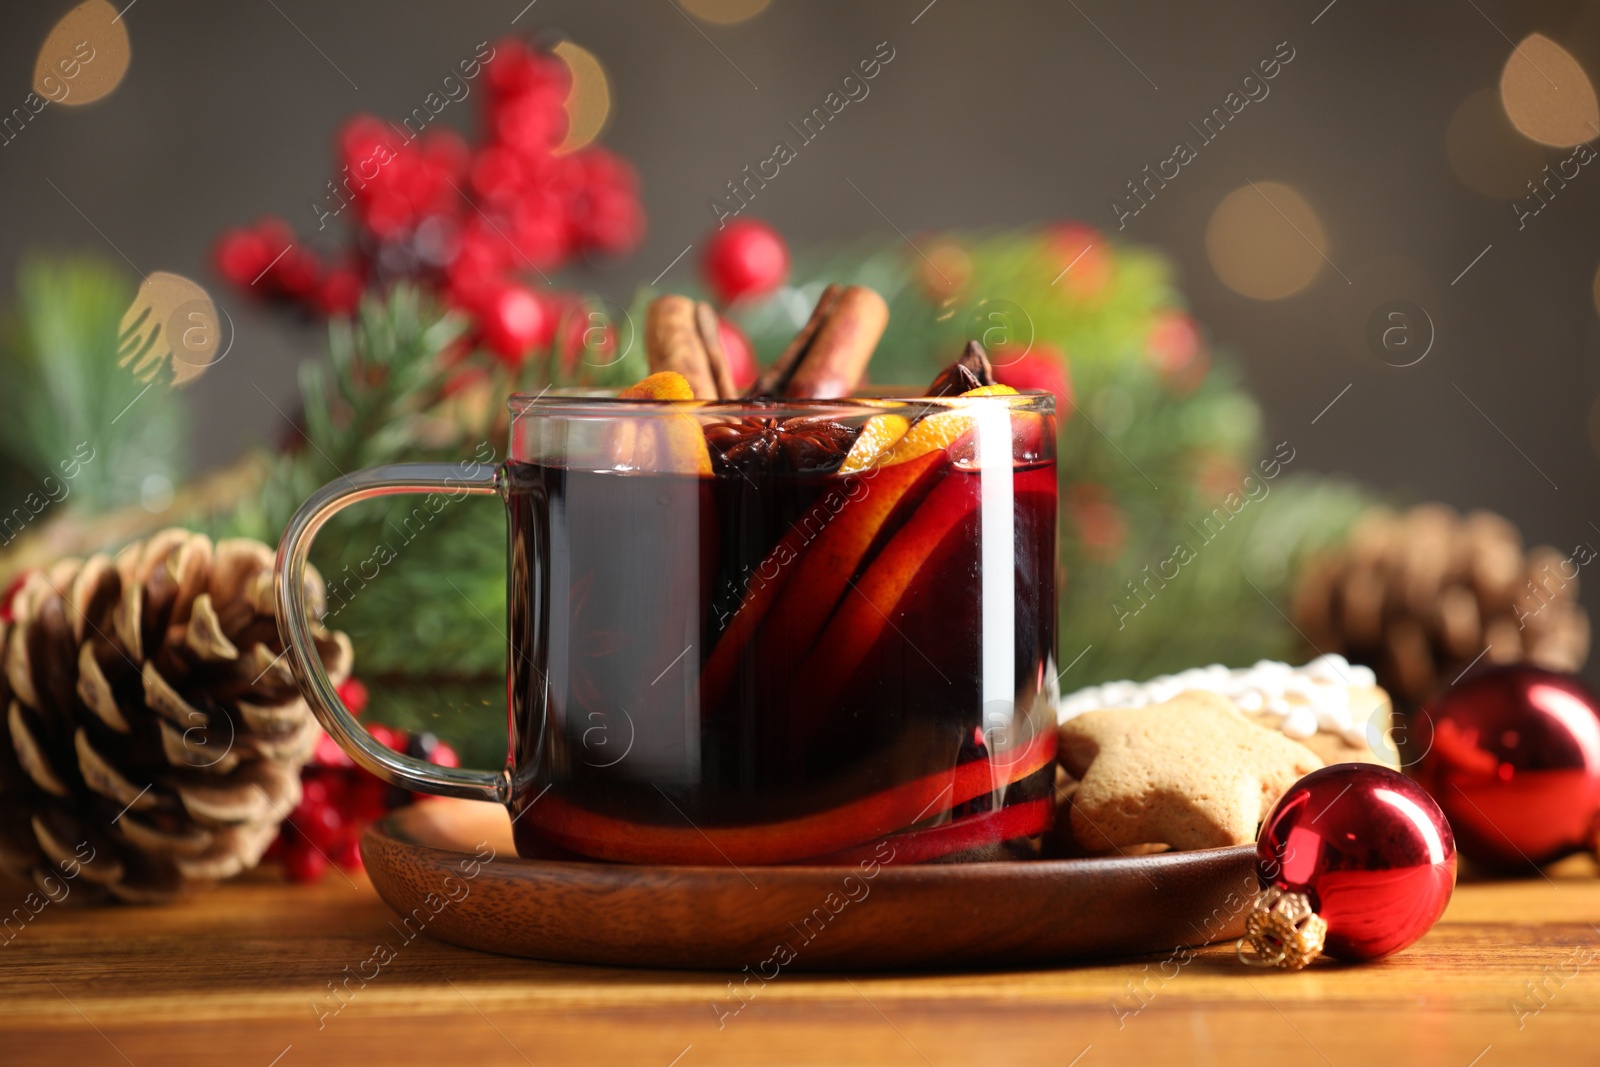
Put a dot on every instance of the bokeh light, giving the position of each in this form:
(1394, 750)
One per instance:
(1265, 241)
(725, 12)
(1485, 150)
(172, 323)
(1547, 95)
(589, 102)
(84, 56)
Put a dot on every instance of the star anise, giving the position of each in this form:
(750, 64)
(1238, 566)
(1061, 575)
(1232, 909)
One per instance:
(770, 446)
(969, 372)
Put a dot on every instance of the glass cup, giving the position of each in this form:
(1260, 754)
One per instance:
(755, 632)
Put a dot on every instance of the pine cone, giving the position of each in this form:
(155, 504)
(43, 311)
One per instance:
(1420, 596)
(153, 733)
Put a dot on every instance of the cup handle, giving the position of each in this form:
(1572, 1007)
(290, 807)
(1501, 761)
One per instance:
(294, 626)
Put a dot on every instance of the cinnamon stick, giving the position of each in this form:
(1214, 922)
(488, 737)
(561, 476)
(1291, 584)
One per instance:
(673, 341)
(836, 359)
(705, 317)
(971, 371)
(775, 380)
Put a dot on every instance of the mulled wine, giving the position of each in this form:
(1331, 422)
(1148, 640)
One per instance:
(778, 652)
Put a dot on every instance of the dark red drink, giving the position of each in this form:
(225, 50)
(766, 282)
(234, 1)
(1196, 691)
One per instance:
(779, 662)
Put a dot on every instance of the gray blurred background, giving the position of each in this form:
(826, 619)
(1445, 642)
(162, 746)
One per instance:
(991, 114)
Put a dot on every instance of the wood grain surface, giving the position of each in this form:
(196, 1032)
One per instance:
(243, 976)
(452, 868)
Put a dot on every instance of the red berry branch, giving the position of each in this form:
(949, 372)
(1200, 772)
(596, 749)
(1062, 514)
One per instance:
(340, 800)
(474, 224)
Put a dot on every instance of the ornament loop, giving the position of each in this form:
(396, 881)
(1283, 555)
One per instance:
(1282, 931)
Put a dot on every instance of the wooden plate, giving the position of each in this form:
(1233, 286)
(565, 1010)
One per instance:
(449, 868)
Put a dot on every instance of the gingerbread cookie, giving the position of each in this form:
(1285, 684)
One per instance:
(1193, 772)
(1333, 707)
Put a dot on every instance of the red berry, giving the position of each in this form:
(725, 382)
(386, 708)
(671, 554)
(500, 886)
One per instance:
(241, 256)
(314, 791)
(275, 234)
(347, 854)
(1082, 258)
(737, 351)
(340, 292)
(446, 154)
(602, 194)
(6, 598)
(586, 335)
(304, 863)
(388, 214)
(745, 258)
(321, 825)
(366, 144)
(444, 756)
(1173, 346)
(387, 736)
(497, 174)
(513, 70)
(1100, 524)
(354, 694)
(514, 322)
(1043, 368)
(329, 754)
(528, 124)
(296, 273)
(370, 803)
(944, 269)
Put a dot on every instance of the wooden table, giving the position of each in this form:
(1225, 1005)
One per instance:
(241, 977)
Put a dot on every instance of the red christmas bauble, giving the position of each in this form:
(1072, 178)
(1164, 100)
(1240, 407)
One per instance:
(1370, 850)
(746, 258)
(1512, 755)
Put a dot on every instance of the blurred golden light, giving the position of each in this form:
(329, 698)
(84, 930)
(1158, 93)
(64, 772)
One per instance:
(84, 56)
(1547, 95)
(1265, 241)
(589, 102)
(725, 12)
(172, 320)
(1596, 290)
(1486, 152)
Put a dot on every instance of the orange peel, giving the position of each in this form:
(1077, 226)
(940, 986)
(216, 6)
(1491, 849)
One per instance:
(880, 434)
(663, 385)
(939, 430)
(672, 442)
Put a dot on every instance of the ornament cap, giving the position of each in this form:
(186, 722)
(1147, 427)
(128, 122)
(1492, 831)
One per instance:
(1283, 931)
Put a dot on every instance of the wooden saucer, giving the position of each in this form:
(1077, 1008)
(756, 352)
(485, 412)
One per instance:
(431, 863)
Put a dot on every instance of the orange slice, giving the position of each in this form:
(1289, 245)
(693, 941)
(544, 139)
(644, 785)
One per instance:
(670, 443)
(876, 438)
(811, 568)
(940, 430)
(875, 600)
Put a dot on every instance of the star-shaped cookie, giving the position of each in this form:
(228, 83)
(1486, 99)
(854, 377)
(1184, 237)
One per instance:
(1191, 773)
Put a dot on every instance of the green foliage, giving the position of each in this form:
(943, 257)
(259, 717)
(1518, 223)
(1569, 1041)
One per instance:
(415, 586)
(65, 396)
(368, 403)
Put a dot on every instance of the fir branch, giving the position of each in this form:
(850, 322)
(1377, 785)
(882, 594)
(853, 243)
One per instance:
(65, 393)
